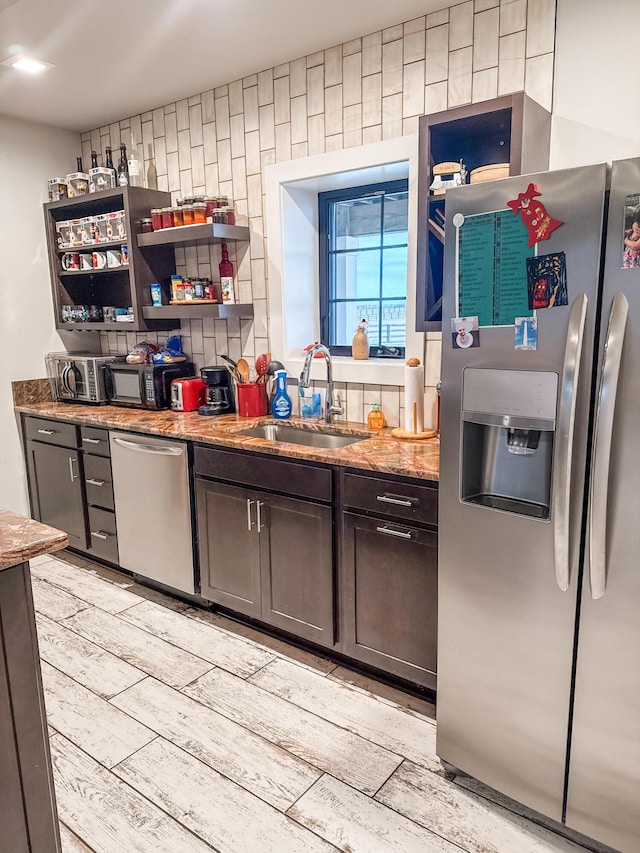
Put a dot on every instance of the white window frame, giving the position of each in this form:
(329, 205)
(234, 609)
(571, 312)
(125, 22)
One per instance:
(292, 235)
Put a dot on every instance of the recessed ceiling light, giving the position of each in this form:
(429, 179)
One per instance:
(22, 62)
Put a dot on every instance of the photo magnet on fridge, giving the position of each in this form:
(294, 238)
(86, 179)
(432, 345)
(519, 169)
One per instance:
(547, 281)
(465, 332)
(631, 232)
(526, 333)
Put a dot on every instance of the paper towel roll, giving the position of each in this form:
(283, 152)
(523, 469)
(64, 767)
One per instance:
(414, 397)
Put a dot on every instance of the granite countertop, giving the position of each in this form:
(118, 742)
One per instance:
(22, 538)
(378, 451)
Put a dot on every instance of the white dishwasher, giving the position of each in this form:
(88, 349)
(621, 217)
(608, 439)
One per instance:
(153, 508)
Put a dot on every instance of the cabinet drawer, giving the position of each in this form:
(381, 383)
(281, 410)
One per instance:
(97, 477)
(279, 475)
(95, 440)
(102, 534)
(389, 497)
(53, 432)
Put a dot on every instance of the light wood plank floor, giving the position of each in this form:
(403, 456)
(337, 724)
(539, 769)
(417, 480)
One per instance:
(175, 730)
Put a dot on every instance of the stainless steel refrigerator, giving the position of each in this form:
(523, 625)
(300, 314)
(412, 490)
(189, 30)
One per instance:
(539, 521)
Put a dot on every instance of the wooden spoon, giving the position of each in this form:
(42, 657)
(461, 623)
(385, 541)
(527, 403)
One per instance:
(243, 369)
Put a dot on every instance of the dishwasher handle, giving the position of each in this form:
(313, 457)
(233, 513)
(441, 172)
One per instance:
(149, 448)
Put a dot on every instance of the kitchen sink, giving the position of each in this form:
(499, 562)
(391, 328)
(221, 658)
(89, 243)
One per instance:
(298, 435)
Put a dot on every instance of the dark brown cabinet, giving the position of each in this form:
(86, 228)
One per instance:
(513, 130)
(389, 576)
(269, 556)
(229, 547)
(69, 475)
(56, 478)
(98, 484)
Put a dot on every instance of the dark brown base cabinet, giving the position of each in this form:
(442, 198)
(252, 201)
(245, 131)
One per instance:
(29, 820)
(54, 466)
(268, 556)
(69, 473)
(389, 577)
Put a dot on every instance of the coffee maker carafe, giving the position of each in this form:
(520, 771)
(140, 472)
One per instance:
(219, 399)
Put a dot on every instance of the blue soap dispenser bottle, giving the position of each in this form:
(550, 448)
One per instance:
(281, 406)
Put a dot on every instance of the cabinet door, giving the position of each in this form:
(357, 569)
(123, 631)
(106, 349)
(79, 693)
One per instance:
(297, 567)
(389, 597)
(229, 546)
(55, 475)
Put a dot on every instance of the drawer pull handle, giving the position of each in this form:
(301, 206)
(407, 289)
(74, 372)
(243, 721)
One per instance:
(388, 531)
(99, 534)
(392, 499)
(47, 431)
(92, 482)
(91, 440)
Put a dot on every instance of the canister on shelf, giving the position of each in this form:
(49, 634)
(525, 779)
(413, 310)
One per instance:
(156, 218)
(146, 225)
(167, 217)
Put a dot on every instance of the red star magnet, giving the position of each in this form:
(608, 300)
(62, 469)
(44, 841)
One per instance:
(534, 215)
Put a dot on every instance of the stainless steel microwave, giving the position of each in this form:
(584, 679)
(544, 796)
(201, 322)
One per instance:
(143, 386)
(77, 377)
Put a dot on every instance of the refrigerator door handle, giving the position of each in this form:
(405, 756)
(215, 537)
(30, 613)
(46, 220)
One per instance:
(603, 436)
(564, 440)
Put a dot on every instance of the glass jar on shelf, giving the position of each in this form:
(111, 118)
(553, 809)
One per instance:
(146, 225)
(199, 212)
(167, 217)
(178, 215)
(156, 218)
(187, 214)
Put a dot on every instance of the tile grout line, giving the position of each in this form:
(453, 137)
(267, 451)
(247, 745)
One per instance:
(135, 790)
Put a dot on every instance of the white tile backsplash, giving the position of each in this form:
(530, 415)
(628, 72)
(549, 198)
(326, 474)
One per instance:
(363, 91)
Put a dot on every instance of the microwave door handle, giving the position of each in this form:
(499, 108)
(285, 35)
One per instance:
(561, 514)
(603, 438)
(63, 377)
(108, 382)
(72, 379)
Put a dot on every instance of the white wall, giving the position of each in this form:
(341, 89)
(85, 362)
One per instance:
(29, 155)
(596, 110)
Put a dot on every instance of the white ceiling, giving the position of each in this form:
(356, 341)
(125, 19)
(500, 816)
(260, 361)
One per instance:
(116, 58)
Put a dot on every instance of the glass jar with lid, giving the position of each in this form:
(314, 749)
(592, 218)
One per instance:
(212, 203)
(187, 214)
(231, 215)
(167, 217)
(178, 215)
(146, 225)
(156, 218)
(199, 212)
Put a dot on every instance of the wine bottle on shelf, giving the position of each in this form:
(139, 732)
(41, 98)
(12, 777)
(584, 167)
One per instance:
(109, 165)
(226, 277)
(94, 160)
(79, 164)
(123, 167)
(134, 162)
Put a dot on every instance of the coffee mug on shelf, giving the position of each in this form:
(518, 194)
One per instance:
(86, 262)
(70, 261)
(99, 260)
(114, 258)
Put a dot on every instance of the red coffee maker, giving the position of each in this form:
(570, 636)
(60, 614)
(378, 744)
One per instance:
(187, 394)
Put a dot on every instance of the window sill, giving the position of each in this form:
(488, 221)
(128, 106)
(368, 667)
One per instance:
(370, 371)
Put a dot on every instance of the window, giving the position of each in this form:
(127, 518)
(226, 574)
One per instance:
(363, 266)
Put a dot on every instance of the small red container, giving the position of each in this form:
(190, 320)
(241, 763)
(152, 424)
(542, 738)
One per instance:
(156, 218)
(167, 217)
(252, 399)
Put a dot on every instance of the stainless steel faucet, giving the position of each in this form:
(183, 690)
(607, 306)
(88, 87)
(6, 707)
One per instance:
(304, 380)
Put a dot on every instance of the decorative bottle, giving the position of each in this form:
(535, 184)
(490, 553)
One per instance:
(109, 165)
(360, 343)
(281, 406)
(134, 164)
(123, 167)
(226, 277)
